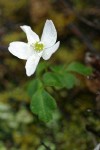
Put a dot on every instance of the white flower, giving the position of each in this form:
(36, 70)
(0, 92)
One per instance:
(36, 48)
(97, 147)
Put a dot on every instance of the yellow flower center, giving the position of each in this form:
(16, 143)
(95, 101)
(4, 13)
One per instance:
(38, 46)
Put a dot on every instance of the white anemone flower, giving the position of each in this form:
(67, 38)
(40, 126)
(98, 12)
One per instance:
(97, 147)
(35, 48)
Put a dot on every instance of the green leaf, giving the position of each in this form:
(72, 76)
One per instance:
(34, 86)
(58, 68)
(43, 105)
(53, 79)
(69, 80)
(79, 68)
(66, 80)
(41, 67)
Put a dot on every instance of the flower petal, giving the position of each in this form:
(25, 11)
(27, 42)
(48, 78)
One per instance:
(49, 51)
(20, 50)
(32, 37)
(49, 35)
(31, 64)
(97, 147)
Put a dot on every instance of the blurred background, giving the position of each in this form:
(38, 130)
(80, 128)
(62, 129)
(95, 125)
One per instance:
(76, 124)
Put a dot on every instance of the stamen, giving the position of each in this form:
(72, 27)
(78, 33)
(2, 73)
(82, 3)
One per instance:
(38, 46)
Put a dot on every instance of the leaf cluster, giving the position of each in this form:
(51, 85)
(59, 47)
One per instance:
(43, 103)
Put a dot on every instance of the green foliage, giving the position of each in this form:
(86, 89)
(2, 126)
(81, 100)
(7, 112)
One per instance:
(43, 105)
(64, 80)
(34, 86)
(69, 80)
(79, 68)
(58, 68)
(41, 67)
(53, 79)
